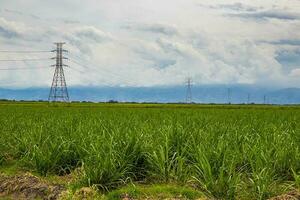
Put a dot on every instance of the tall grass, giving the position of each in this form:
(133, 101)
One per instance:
(226, 153)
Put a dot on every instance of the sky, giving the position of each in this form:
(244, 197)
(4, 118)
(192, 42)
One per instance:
(147, 43)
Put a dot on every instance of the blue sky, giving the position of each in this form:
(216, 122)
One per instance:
(154, 42)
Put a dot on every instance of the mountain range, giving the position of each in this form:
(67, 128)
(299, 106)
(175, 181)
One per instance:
(235, 94)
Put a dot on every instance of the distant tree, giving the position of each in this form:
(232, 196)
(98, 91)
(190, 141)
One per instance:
(112, 101)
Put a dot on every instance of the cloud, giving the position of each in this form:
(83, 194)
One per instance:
(157, 43)
(67, 21)
(269, 14)
(292, 42)
(295, 73)
(91, 33)
(288, 57)
(170, 47)
(9, 29)
(19, 32)
(155, 57)
(238, 6)
(154, 28)
(8, 33)
(242, 10)
(22, 14)
(85, 37)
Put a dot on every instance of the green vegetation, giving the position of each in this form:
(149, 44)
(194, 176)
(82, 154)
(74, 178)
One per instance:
(154, 192)
(226, 152)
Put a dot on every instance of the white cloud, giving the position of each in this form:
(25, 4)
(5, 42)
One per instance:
(10, 29)
(156, 42)
(154, 28)
(295, 73)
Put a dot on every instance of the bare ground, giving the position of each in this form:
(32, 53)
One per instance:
(26, 186)
(294, 195)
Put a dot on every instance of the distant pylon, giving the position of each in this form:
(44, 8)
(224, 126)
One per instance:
(229, 95)
(248, 100)
(59, 91)
(189, 83)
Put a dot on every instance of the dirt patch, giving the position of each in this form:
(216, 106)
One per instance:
(85, 193)
(127, 197)
(294, 195)
(27, 186)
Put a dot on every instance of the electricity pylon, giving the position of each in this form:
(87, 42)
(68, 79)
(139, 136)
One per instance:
(59, 91)
(229, 95)
(189, 90)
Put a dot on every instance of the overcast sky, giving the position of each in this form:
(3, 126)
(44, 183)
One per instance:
(154, 42)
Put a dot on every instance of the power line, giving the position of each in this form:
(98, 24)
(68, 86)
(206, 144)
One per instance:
(4, 51)
(75, 62)
(77, 70)
(21, 68)
(17, 60)
(119, 78)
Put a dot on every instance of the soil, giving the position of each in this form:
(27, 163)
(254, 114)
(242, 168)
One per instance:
(294, 195)
(26, 186)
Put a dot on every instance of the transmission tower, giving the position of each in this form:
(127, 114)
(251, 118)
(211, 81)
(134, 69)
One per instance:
(229, 95)
(248, 99)
(189, 90)
(59, 91)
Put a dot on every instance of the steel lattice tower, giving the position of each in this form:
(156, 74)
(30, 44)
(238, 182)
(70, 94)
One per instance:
(229, 95)
(189, 90)
(248, 99)
(59, 91)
